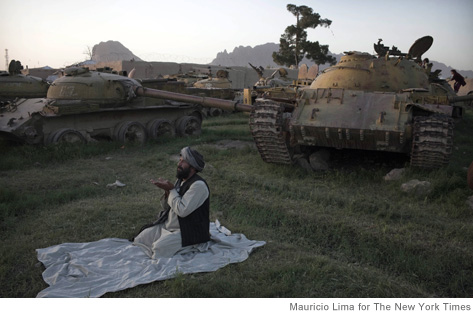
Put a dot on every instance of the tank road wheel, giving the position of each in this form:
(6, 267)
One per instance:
(432, 141)
(66, 135)
(159, 127)
(215, 112)
(266, 125)
(188, 126)
(130, 131)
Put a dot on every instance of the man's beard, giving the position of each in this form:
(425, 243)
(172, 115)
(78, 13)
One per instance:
(183, 173)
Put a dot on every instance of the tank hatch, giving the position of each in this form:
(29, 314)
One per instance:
(420, 46)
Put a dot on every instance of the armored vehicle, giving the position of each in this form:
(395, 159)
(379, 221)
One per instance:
(219, 86)
(272, 80)
(281, 87)
(179, 86)
(15, 86)
(84, 105)
(289, 93)
(387, 102)
(188, 78)
(221, 81)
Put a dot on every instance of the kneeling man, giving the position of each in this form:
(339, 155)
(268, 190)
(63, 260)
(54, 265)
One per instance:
(184, 222)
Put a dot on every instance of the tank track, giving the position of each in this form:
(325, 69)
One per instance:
(432, 141)
(267, 128)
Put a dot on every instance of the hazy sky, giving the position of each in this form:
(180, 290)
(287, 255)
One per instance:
(57, 32)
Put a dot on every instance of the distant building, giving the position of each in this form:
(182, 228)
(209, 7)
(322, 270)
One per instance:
(47, 73)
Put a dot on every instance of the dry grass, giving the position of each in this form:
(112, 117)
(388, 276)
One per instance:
(343, 233)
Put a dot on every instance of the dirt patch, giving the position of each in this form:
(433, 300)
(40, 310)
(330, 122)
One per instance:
(233, 144)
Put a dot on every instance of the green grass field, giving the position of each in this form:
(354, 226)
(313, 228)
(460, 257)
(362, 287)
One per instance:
(343, 233)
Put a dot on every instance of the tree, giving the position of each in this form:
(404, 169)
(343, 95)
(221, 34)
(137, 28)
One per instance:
(293, 44)
(88, 52)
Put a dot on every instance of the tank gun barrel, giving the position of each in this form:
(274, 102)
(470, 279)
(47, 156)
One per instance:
(463, 98)
(204, 101)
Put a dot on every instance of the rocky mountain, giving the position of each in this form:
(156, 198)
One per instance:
(260, 55)
(112, 51)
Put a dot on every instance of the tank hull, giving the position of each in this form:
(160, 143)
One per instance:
(352, 119)
(33, 122)
(84, 106)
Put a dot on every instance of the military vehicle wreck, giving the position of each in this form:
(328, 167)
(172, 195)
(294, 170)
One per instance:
(84, 105)
(200, 84)
(15, 86)
(286, 92)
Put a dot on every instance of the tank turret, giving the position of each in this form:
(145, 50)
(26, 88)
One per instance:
(14, 85)
(188, 78)
(221, 81)
(282, 89)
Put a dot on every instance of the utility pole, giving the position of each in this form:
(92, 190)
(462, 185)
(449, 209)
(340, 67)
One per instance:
(6, 59)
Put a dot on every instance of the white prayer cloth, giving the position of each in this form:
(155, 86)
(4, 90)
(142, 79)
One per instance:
(92, 269)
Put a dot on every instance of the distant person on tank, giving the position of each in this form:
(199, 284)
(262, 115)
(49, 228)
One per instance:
(459, 80)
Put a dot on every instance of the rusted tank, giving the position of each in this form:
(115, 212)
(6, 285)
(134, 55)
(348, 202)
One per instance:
(386, 103)
(287, 92)
(15, 86)
(188, 78)
(215, 88)
(272, 80)
(85, 105)
(179, 86)
(219, 86)
(220, 81)
(281, 87)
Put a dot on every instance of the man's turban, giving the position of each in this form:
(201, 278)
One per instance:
(194, 158)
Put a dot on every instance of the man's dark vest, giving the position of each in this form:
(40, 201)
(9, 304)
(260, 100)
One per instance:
(195, 227)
